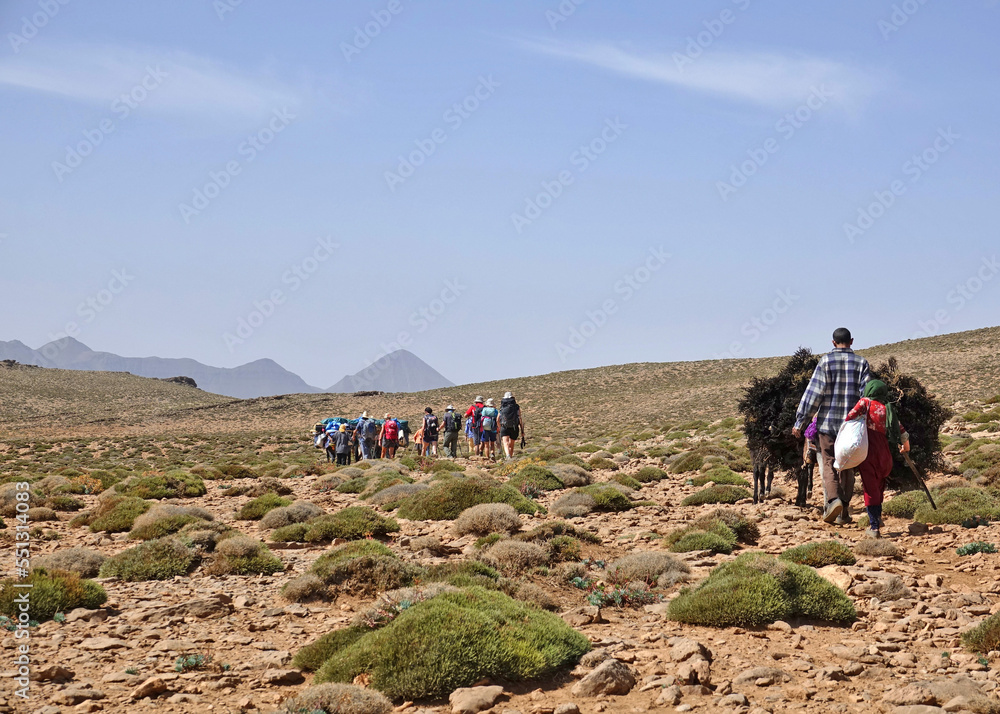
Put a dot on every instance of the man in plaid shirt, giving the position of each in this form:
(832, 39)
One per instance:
(835, 387)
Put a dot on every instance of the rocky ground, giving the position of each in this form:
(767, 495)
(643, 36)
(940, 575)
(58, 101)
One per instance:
(902, 655)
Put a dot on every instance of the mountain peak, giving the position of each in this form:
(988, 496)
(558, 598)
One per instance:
(398, 371)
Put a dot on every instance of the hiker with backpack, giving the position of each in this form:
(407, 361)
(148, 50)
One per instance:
(476, 412)
(885, 436)
(365, 434)
(324, 441)
(451, 429)
(342, 441)
(431, 426)
(470, 435)
(488, 430)
(511, 423)
(834, 387)
(388, 437)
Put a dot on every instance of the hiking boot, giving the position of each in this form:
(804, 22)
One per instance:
(833, 509)
(873, 533)
(845, 517)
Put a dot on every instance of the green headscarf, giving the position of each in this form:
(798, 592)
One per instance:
(878, 391)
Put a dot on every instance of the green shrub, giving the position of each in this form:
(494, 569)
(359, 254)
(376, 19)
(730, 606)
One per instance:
(84, 562)
(650, 474)
(746, 530)
(757, 589)
(537, 476)
(63, 503)
(984, 637)
(237, 471)
(574, 504)
(878, 548)
(455, 640)
(959, 504)
(487, 518)
(255, 509)
(565, 548)
(165, 519)
(626, 480)
(691, 461)
(445, 500)
(295, 533)
(364, 566)
(606, 498)
(159, 559)
(243, 555)
(716, 494)
(904, 505)
(51, 591)
(820, 554)
(599, 462)
(350, 523)
(715, 536)
(116, 514)
(721, 476)
(463, 573)
(514, 557)
(553, 529)
(173, 484)
(587, 448)
(304, 588)
(337, 699)
(572, 460)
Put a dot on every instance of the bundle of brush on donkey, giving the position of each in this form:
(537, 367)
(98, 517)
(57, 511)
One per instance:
(768, 407)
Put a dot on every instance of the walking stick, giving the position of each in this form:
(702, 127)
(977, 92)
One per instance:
(920, 480)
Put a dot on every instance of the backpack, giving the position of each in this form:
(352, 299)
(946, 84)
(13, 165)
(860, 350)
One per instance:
(477, 416)
(370, 429)
(391, 430)
(489, 418)
(509, 414)
(318, 441)
(430, 426)
(450, 422)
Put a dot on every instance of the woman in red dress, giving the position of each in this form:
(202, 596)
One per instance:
(885, 436)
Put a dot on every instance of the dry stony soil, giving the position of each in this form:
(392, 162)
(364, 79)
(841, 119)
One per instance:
(902, 654)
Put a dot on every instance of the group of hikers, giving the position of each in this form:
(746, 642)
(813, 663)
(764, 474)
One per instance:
(841, 389)
(367, 438)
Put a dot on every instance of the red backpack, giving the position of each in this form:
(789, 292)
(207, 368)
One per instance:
(391, 431)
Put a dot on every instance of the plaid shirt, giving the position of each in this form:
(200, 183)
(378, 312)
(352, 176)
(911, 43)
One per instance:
(835, 387)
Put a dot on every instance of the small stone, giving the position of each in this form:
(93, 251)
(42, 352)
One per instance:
(684, 708)
(97, 644)
(567, 708)
(610, 677)
(71, 696)
(52, 673)
(682, 648)
(956, 704)
(281, 677)
(734, 700)
(917, 528)
(150, 688)
(669, 696)
(471, 700)
(918, 709)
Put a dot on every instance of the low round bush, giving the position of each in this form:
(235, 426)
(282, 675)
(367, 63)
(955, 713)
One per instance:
(173, 484)
(626, 480)
(757, 589)
(445, 500)
(243, 555)
(455, 640)
(165, 519)
(537, 476)
(746, 530)
(956, 505)
(337, 699)
(721, 476)
(574, 505)
(487, 518)
(297, 512)
(599, 462)
(255, 509)
(713, 535)
(650, 474)
(84, 562)
(115, 514)
(350, 523)
(513, 557)
(691, 461)
(820, 554)
(159, 559)
(51, 591)
(984, 637)
(570, 475)
(364, 566)
(653, 568)
(716, 494)
(607, 497)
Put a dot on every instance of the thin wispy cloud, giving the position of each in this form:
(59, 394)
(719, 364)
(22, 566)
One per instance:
(190, 84)
(764, 78)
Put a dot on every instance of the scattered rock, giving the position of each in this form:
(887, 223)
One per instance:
(97, 644)
(568, 708)
(610, 677)
(281, 677)
(471, 700)
(71, 696)
(52, 673)
(751, 676)
(152, 687)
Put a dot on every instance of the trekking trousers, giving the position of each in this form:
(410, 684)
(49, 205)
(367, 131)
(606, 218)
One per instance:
(450, 444)
(836, 484)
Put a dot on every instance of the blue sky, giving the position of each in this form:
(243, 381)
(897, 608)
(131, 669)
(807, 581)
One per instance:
(503, 188)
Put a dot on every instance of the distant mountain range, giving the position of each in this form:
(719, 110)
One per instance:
(400, 371)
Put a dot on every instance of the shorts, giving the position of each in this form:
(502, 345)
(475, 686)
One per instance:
(488, 436)
(431, 439)
(390, 443)
(510, 433)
